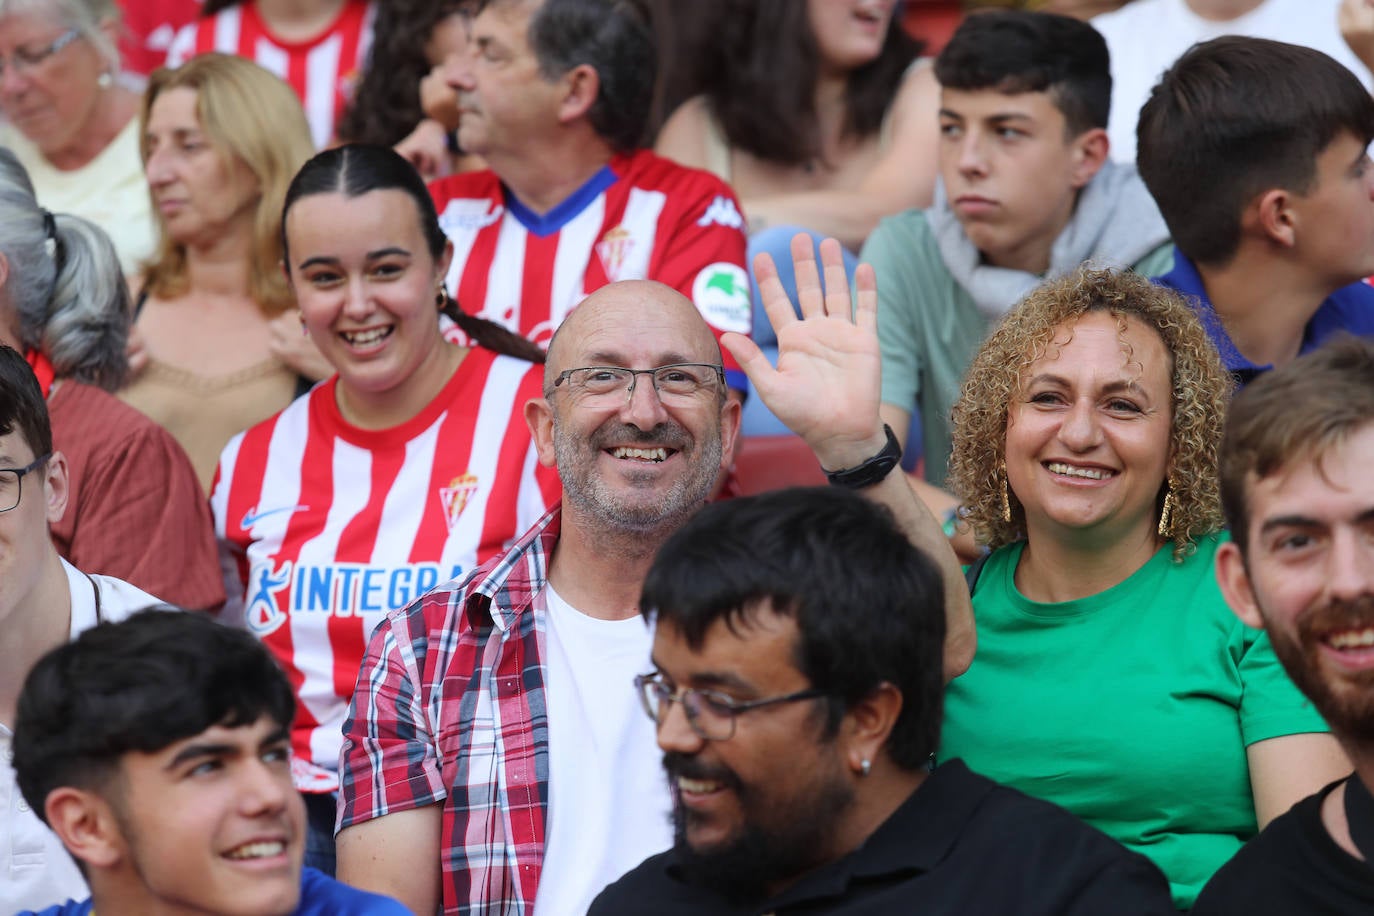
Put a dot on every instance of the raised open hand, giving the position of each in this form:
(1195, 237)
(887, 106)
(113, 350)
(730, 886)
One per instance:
(828, 379)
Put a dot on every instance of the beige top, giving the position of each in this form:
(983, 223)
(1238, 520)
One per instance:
(110, 191)
(204, 412)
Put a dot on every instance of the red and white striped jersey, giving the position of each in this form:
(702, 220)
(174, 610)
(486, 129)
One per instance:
(640, 217)
(322, 70)
(326, 527)
(149, 27)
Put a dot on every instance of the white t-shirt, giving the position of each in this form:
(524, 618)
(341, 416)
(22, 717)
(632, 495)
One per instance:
(609, 806)
(1144, 37)
(35, 869)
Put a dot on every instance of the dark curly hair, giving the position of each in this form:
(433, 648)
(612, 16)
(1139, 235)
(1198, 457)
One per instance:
(386, 103)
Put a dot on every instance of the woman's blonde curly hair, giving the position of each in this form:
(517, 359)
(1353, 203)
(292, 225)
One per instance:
(1201, 389)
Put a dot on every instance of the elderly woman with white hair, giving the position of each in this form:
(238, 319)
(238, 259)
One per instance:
(133, 506)
(70, 121)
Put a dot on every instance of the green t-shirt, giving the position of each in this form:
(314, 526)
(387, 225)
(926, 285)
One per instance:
(929, 327)
(1132, 708)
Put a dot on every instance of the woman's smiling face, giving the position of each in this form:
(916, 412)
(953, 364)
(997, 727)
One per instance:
(366, 285)
(1088, 437)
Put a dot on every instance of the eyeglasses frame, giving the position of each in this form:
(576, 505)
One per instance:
(25, 62)
(566, 374)
(720, 699)
(19, 473)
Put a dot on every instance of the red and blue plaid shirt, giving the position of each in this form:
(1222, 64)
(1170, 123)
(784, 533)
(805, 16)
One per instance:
(450, 707)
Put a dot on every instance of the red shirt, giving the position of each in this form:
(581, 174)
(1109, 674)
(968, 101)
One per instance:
(149, 28)
(135, 509)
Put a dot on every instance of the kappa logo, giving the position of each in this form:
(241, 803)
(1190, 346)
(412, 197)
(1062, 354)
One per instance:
(160, 39)
(454, 497)
(613, 249)
(469, 215)
(721, 292)
(723, 212)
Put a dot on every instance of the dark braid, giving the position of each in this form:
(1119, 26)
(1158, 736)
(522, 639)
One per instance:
(492, 336)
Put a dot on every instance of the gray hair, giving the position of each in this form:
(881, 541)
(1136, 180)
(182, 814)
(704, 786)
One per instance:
(66, 288)
(89, 17)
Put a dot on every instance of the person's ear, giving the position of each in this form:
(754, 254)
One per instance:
(730, 414)
(55, 487)
(1090, 150)
(1236, 588)
(539, 418)
(582, 85)
(445, 259)
(85, 824)
(112, 27)
(868, 724)
(1272, 216)
(9, 331)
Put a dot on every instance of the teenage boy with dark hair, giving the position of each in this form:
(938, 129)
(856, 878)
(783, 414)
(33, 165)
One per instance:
(1255, 151)
(1026, 192)
(44, 601)
(797, 695)
(1299, 500)
(158, 750)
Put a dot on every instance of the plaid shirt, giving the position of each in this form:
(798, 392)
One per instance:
(450, 707)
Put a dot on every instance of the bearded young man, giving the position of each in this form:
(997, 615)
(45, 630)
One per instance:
(1300, 501)
(797, 697)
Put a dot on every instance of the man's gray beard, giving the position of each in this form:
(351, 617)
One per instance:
(615, 517)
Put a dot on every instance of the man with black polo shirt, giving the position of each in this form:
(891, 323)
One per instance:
(797, 696)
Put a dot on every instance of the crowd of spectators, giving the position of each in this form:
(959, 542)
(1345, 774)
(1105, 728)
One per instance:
(422, 341)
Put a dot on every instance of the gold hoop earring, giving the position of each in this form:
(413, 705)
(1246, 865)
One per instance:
(1166, 513)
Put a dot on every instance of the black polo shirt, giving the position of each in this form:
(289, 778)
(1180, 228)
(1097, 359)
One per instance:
(961, 844)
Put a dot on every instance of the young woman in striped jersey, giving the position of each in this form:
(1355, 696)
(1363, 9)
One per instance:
(410, 466)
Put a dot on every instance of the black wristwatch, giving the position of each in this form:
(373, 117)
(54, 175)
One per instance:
(871, 471)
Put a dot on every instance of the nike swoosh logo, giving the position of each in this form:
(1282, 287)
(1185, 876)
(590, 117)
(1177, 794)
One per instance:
(251, 517)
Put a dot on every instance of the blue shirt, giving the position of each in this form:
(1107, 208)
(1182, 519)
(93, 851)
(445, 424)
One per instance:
(321, 895)
(1350, 308)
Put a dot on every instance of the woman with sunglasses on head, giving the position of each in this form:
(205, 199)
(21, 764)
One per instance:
(411, 465)
(69, 120)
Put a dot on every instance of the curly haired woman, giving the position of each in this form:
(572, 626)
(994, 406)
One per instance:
(1111, 678)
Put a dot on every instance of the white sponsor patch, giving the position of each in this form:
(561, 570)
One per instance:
(721, 292)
